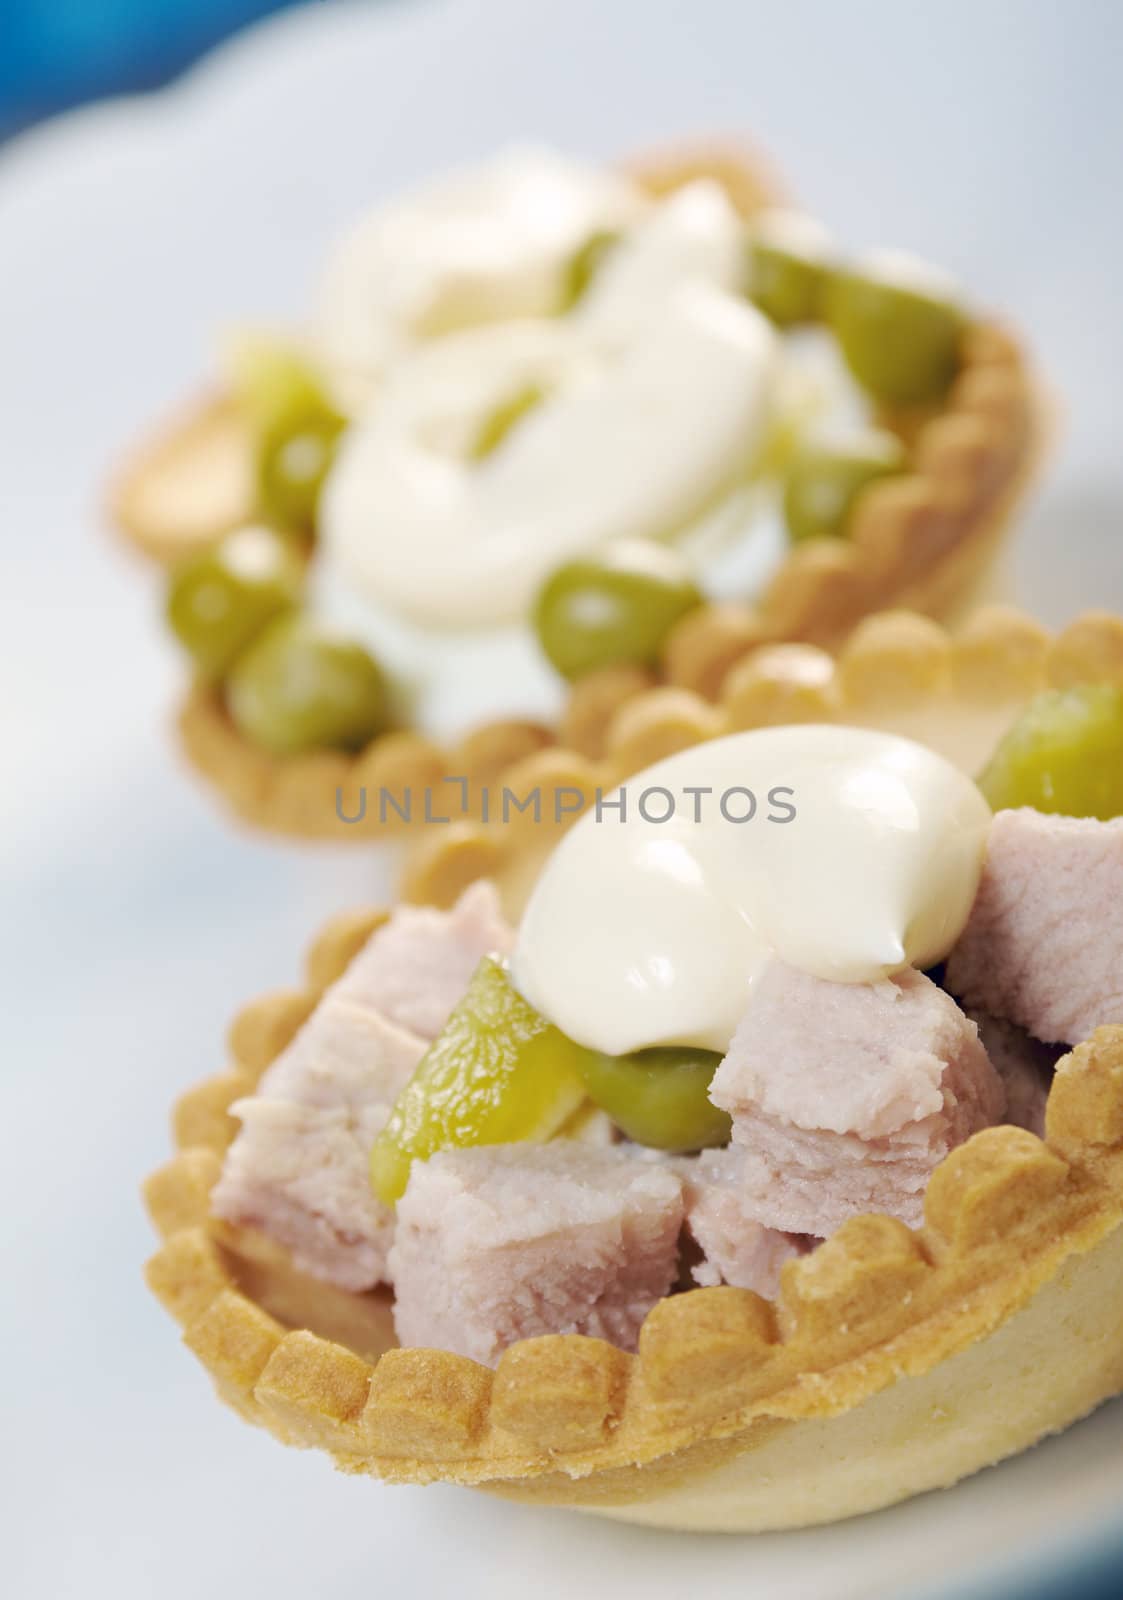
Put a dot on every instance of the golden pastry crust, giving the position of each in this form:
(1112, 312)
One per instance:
(745, 175)
(923, 540)
(188, 484)
(720, 1374)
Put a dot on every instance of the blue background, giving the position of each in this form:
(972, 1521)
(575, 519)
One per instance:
(58, 53)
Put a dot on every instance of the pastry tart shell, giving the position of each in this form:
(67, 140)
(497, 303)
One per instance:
(893, 1361)
(926, 540)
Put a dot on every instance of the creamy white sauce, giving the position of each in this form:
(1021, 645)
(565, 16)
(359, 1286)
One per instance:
(643, 932)
(446, 681)
(629, 442)
(794, 231)
(900, 269)
(659, 389)
(482, 245)
(450, 679)
(694, 236)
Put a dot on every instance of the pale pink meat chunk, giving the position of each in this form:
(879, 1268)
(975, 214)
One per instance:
(417, 966)
(298, 1169)
(1044, 943)
(505, 1242)
(736, 1248)
(846, 1096)
(1025, 1066)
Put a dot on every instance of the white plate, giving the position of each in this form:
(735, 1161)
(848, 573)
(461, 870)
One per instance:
(981, 136)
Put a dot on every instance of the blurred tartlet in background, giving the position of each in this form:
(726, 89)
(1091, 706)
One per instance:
(558, 438)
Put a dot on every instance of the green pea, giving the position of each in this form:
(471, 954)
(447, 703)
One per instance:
(219, 600)
(824, 481)
(273, 381)
(293, 459)
(900, 340)
(1063, 754)
(301, 687)
(294, 424)
(658, 1097)
(616, 607)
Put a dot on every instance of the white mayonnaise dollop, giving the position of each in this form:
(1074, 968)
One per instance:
(482, 245)
(644, 932)
(653, 398)
(693, 236)
(900, 269)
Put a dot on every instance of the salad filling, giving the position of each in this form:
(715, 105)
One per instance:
(431, 1128)
(485, 447)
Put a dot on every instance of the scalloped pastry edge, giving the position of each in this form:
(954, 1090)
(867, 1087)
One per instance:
(716, 1368)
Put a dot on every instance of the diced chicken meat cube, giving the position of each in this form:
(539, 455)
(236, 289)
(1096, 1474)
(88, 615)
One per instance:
(1043, 946)
(505, 1242)
(846, 1096)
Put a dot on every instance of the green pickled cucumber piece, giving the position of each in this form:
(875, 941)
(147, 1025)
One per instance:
(300, 687)
(824, 480)
(617, 607)
(504, 418)
(900, 340)
(220, 599)
(1063, 754)
(498, 1074)
(584, 265)
(658, 1097)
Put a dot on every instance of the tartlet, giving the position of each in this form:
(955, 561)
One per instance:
(924, 537)
(894, 1360)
